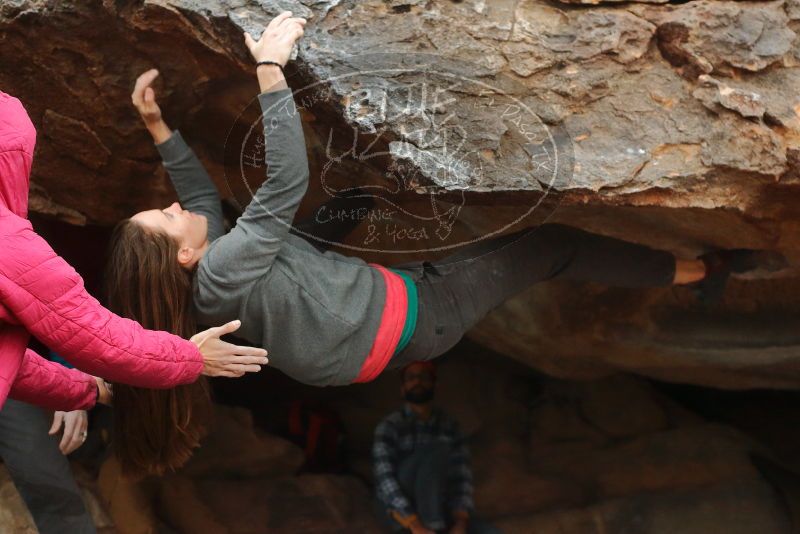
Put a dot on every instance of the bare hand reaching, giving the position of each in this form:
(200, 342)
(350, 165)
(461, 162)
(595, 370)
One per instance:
(221, 358)
(144, 100)
(277, 39)
(144, 97)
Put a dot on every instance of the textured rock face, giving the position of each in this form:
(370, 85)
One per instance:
(674, 125)
(240, 481)
(612, 455)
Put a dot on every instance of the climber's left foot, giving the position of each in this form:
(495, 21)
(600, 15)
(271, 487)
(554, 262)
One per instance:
(720, 264)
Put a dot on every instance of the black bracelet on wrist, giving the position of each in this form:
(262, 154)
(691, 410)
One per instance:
(272, 63)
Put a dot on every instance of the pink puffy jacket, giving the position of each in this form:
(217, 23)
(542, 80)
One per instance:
(41, 294)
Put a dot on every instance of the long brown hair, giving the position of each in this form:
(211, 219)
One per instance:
(155, 430)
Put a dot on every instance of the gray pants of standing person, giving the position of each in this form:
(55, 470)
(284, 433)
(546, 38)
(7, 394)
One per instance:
(458, 291)
(40, 472)
(423, 479)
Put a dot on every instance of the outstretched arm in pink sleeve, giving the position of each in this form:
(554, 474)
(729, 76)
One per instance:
(47, 297)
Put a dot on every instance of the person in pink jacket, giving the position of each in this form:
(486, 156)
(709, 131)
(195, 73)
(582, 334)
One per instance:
(42, 295)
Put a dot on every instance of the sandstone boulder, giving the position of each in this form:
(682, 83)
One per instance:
(674, 125)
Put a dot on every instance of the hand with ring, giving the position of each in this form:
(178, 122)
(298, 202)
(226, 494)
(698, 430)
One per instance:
(75, 429)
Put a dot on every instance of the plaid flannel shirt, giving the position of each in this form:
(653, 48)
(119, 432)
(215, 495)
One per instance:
(398, 436)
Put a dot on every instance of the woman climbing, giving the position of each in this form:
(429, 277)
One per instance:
(41, 295)
(327, 318)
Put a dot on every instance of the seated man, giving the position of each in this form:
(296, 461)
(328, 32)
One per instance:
(421, 463)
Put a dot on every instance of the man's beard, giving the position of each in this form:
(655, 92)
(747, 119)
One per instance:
(419, 395)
